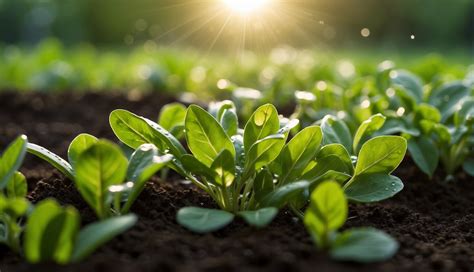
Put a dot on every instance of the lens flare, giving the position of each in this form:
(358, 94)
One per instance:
(245, 6)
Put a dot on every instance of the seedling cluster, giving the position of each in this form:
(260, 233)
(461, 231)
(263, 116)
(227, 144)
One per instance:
(311, 164)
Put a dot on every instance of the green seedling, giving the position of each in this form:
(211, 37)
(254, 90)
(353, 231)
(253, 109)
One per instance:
(106, 180)
(327, 213)
(13, 188)
(53, 233)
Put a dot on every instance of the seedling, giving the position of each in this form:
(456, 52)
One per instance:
(53, 234)
(252, 169)
(106, 180)
(327, 213)
(230, 164)
(13, 187)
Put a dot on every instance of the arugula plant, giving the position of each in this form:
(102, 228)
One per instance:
(13, 188)
(105, 179)
(327, 213)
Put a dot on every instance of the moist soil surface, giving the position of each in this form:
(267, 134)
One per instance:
(433, 222)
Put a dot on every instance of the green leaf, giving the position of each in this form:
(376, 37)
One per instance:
(144, 163)
(134, 131)
(15, 207)
(381, 154)
(172, 115)
(203, 220)
(224, 166)
(53, 159)
(335, 131)
(194, 166)
(205, 136)
(427, 112)
(424, 153)
(331, 157)
(264, 151)
(367, 127)
(447, 97)
(51, 232)
(298, 153)
(327, 212)
(263, 184)
(373, 187)
(17, 186)
(230, 122)
(99, 167)
(259, 218)
(279, 197)
(468, 166)
(332, 175)
(79, 145)
(411, 84)
(96, 234)
(364, 245)
(263, 123)
(11, 159)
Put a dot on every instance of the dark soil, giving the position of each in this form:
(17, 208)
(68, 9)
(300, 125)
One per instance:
(433, 222)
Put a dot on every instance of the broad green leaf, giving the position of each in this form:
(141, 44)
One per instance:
(17, 186)
(381, 154)
(335, 131)
(447, 97)
(51, 232)
(194, 166)
(264, 151)
(427, 112)
(263, 123)
(410, 83)
(134, 131)
(172, 115)
(332, 175)
(298, 153)
(466, 112)
(96, 234)
(424, 153)
(224, 166)
(398, 126)
(367, 127)
(327, 211)
(373, 187)
(15, 207)
(279, 197)
(98, 168)
(468, 166)
(331, 157)
(205, 136)
(364, 245)
(263, 184)
(53, 159)
(79, 145)
(144, 163)
(11, 159)
(230, 122)
(259, 218)
(203, 220)
(238, 142)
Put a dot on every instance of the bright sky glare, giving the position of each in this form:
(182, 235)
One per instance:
(245, 6)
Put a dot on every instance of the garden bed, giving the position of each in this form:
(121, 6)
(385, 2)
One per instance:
(432, 221)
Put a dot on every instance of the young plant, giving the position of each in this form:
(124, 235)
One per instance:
(235, 167)
(327, 213)
(13, 188)
(437, 123)
(363, 165)
(53, 234)
(106, 180)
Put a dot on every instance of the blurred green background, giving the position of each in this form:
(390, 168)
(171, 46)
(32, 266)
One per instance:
(437, 24)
